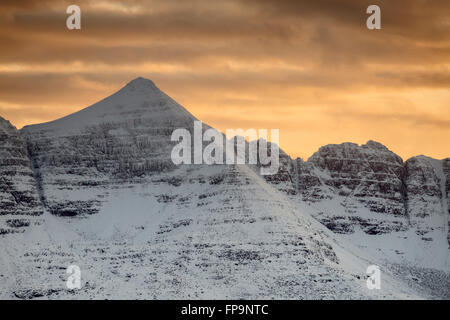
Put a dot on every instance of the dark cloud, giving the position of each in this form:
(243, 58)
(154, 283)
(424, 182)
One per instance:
(329, 32)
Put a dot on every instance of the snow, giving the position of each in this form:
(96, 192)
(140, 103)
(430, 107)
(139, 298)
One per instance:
(138, 97)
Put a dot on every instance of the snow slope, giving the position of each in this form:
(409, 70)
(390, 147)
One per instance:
(240, 239)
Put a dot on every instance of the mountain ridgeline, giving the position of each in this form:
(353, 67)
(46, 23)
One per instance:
(414, 193)
(125, 139)
(98, 189)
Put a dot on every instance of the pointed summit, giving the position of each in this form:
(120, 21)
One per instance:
(141, 84)
(140, 101)
(375, 145)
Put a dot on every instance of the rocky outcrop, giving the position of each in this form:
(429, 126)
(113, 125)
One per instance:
(426, 199)
(369, 173)
(423, 186)
(343, 179)
(19, 198)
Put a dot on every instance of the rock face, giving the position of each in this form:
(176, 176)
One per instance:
(371, 187)
(426, 194)
(349, 177)
(369, 173)
(19, 198)
(446, 170)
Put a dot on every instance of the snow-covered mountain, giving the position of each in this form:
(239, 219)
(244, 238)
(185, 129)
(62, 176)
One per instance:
(110, 200)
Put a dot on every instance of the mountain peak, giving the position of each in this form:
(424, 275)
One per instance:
(6, 126)
(375, 145)
(141, 84)
(139, 99)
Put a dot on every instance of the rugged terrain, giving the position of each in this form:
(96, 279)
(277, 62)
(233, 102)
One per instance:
(98, 189)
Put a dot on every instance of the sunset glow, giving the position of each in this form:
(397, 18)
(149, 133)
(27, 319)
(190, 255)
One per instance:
(309, 68)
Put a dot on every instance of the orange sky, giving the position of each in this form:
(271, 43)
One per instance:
(310, 68)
